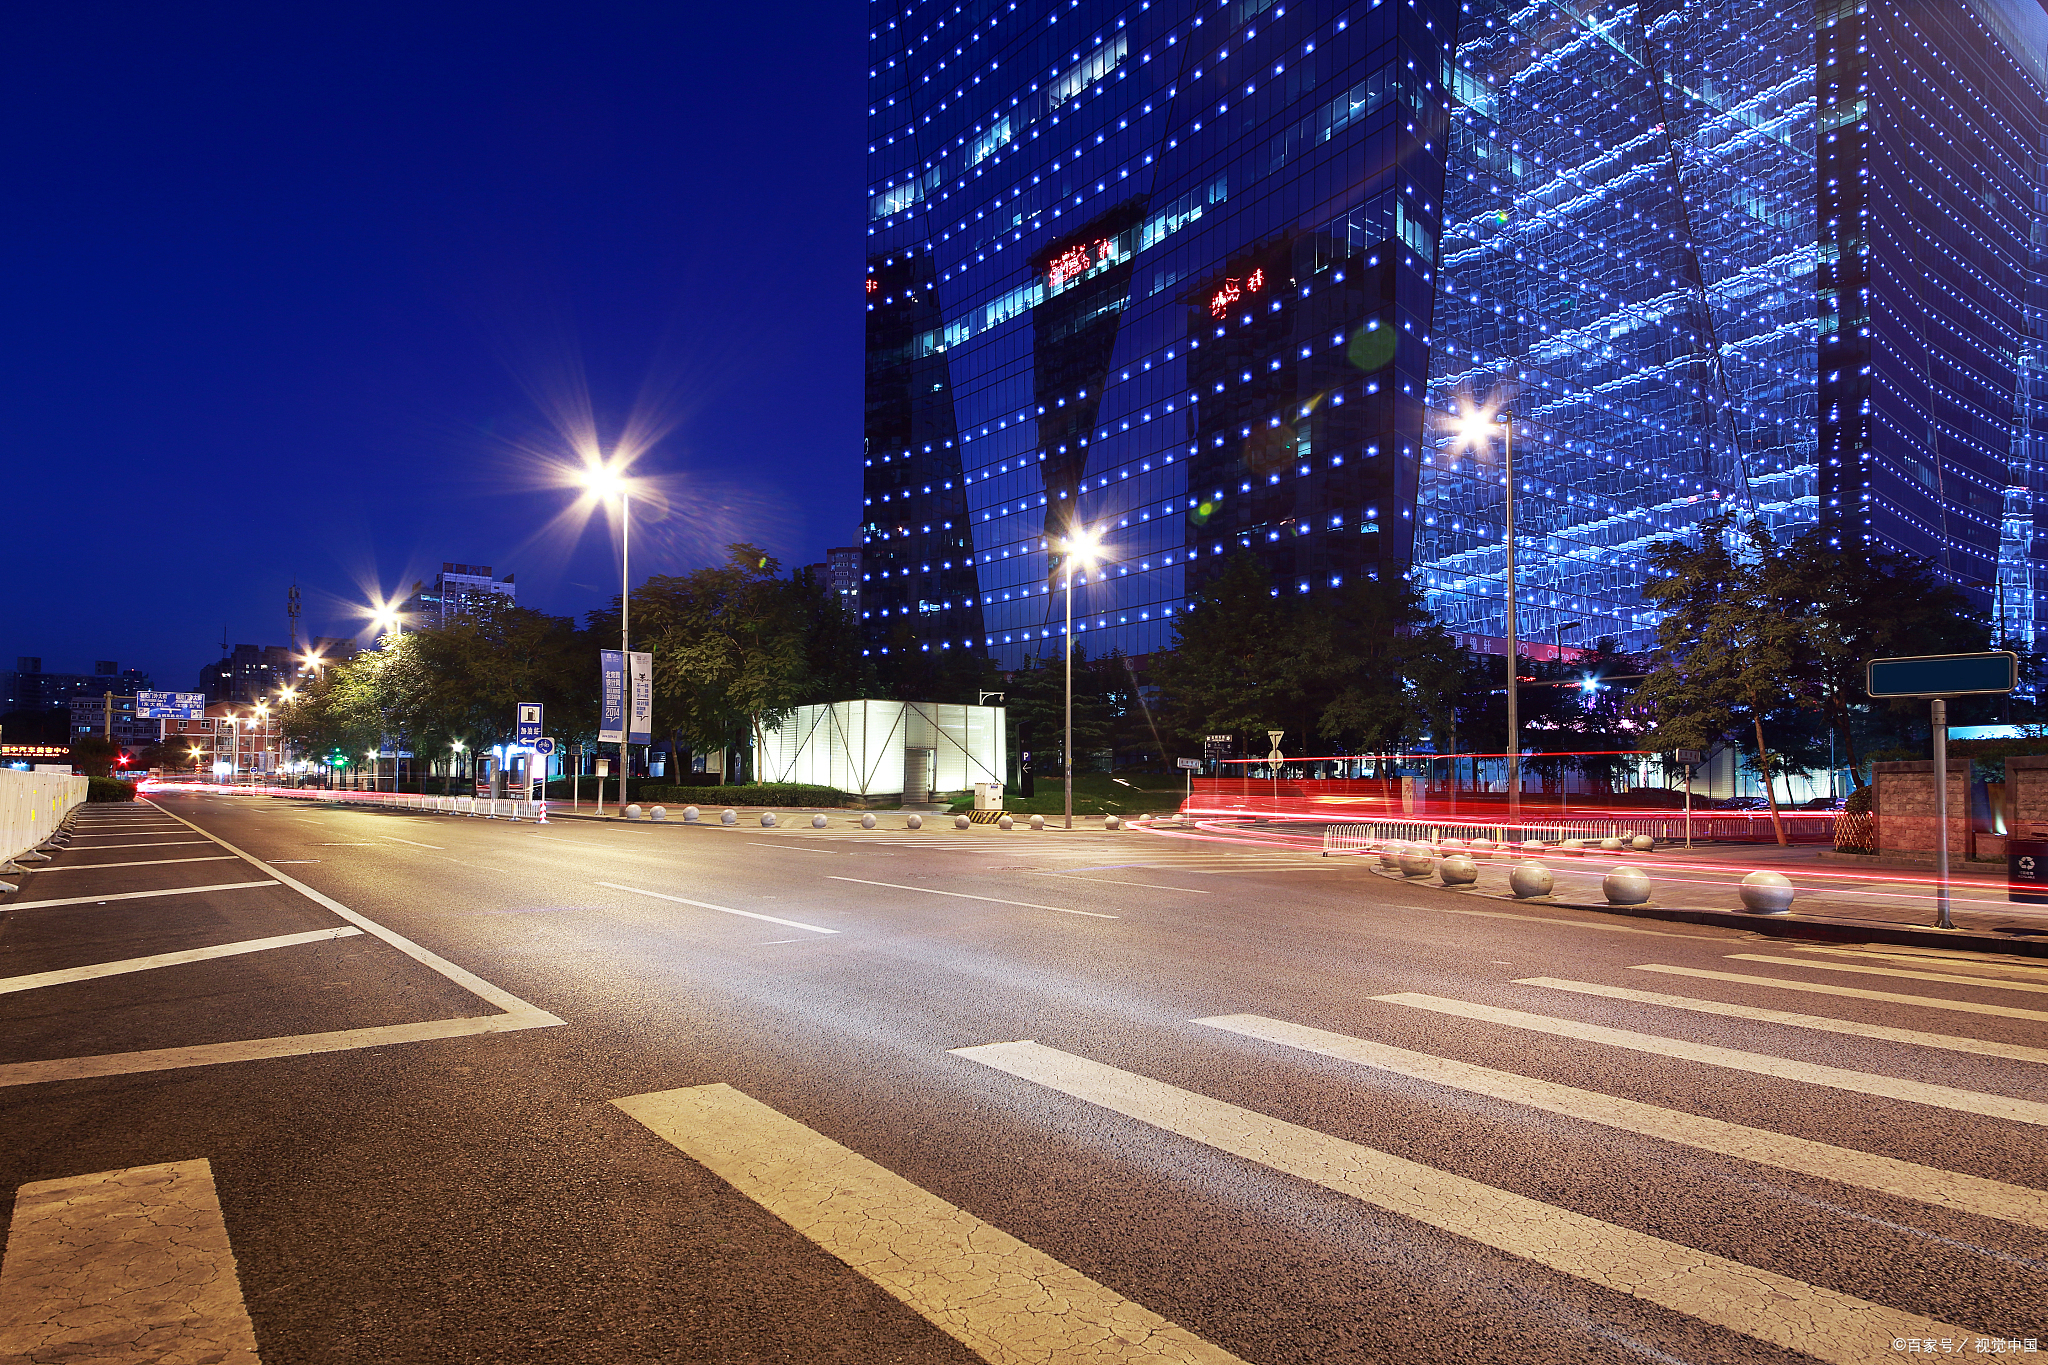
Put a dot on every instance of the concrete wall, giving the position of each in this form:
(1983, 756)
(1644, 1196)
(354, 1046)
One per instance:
(2026, 797)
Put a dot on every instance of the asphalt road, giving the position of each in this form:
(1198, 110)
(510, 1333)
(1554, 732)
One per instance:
(600, 1092)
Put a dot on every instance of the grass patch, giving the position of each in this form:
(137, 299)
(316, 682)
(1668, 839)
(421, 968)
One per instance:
(1122, 794)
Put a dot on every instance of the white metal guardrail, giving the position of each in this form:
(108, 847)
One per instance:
(1364, 837)
(493, 808)
(32, 805)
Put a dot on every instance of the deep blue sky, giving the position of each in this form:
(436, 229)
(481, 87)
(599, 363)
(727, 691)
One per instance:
(306, 292)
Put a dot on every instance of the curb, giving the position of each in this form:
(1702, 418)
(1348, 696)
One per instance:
(1775, 926)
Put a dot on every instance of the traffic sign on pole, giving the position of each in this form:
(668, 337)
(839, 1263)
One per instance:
(544, 746)
(530, 722)
(1944, 675)
(1937, 677)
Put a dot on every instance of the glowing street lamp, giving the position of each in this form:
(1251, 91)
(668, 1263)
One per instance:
(1082, 548)
(454, 758)
(1476, 429)
(601, 481)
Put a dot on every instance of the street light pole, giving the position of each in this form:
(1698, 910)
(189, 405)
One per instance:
(1067, 742)
(1514, 682)
(625, 656)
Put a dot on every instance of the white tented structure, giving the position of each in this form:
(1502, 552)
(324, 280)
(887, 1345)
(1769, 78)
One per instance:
(887, 748)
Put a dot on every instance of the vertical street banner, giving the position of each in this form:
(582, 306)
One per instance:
(611, 706)
(640, 730)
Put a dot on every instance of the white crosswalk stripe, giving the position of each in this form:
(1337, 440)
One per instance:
(1946, 978)
(1004, 1300)
(1849, 1027)
(1886, 1175)
(1756, 1063)
(1931, 1002)
(1769, 1307)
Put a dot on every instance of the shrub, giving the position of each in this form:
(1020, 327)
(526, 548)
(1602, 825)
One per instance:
(108, 789)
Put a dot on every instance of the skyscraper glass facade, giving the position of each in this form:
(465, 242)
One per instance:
(1162, 269)
(1222, 275)
(1627, 268)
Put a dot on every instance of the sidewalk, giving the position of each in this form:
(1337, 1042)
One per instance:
(1830, 900)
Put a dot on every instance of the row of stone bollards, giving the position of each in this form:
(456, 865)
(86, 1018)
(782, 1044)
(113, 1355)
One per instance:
(769, 819)
(1456, 863)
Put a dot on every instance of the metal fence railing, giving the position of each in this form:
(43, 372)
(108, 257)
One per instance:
(1363, 836)
(32, 805)
(494, 808)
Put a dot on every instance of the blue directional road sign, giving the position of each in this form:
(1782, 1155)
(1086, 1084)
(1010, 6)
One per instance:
(169, 705)
(544, 747)
(530, 722)
(1944, 675)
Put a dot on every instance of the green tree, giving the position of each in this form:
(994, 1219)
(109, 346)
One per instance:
(1729, 652)
(1234, 668)
(1378, 673)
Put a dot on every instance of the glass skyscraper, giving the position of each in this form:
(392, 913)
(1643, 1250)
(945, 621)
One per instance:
(1220, 276)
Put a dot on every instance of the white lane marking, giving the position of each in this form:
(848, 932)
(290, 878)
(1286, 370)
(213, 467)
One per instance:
(1774, 1308)
(1111, 881)
(1994, 983)
(529, 1016)
(1925, 958)
(790, 848)
(414, 842)
(1931, 1002)
(1847, 1027)
(140, 862)
(131, 1265)
(727, 909)
(134, 834)
(1756, 1063)
(262, 1049)
(1004, 1300)
(123, 848)
(962, 895)
(104, 897)
(1886, 1175)
(67, 975)
(343, 845)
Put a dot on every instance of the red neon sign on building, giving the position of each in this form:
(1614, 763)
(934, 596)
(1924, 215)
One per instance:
(1231, 292)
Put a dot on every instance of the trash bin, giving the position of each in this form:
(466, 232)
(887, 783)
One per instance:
(2026, 871)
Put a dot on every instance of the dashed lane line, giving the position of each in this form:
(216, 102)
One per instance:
(1003, 1299)
(724, 909)
(104, 897)
(1112, 881)
(1885, 1175)
(130, 1265)
(67, 975)
(962, 895)
(1930, 1002)
(414, 842)
(1755, 1063)
(1847, 1027)
(1823, 1323)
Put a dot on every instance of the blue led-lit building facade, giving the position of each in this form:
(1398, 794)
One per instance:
(1217, 275)
(1162, 268)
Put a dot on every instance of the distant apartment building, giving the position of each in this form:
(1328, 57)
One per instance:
(226, 739)
(458, 590)
(28, 688)
(250, 674)
(111, 715)
(842, 575)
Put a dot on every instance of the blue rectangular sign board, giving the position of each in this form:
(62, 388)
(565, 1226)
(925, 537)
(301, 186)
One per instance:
(170, 705)
(531, 723)
(611, 696)
(1944, 675)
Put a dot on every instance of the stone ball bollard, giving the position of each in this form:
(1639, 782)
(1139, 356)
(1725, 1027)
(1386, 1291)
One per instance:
(767, 819)
(1611, 844)
(1038, 822)
(1415, 860)
(729, 817)
(1532, 843)
(867, 820)
(1005, 822)
(1766, 893)
(1390, 857)
(1458, 870)
(1626, 886)
(819, 822)
(690, 815)
(1480, 848)
(658, 813)
(1572, 848)
(1530, 879)
(1111, 822)
(1642, 843)
(1448, 846)
(915, 822)
(961, 822)
(633, 812)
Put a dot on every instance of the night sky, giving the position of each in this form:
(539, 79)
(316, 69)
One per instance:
(318, 294)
